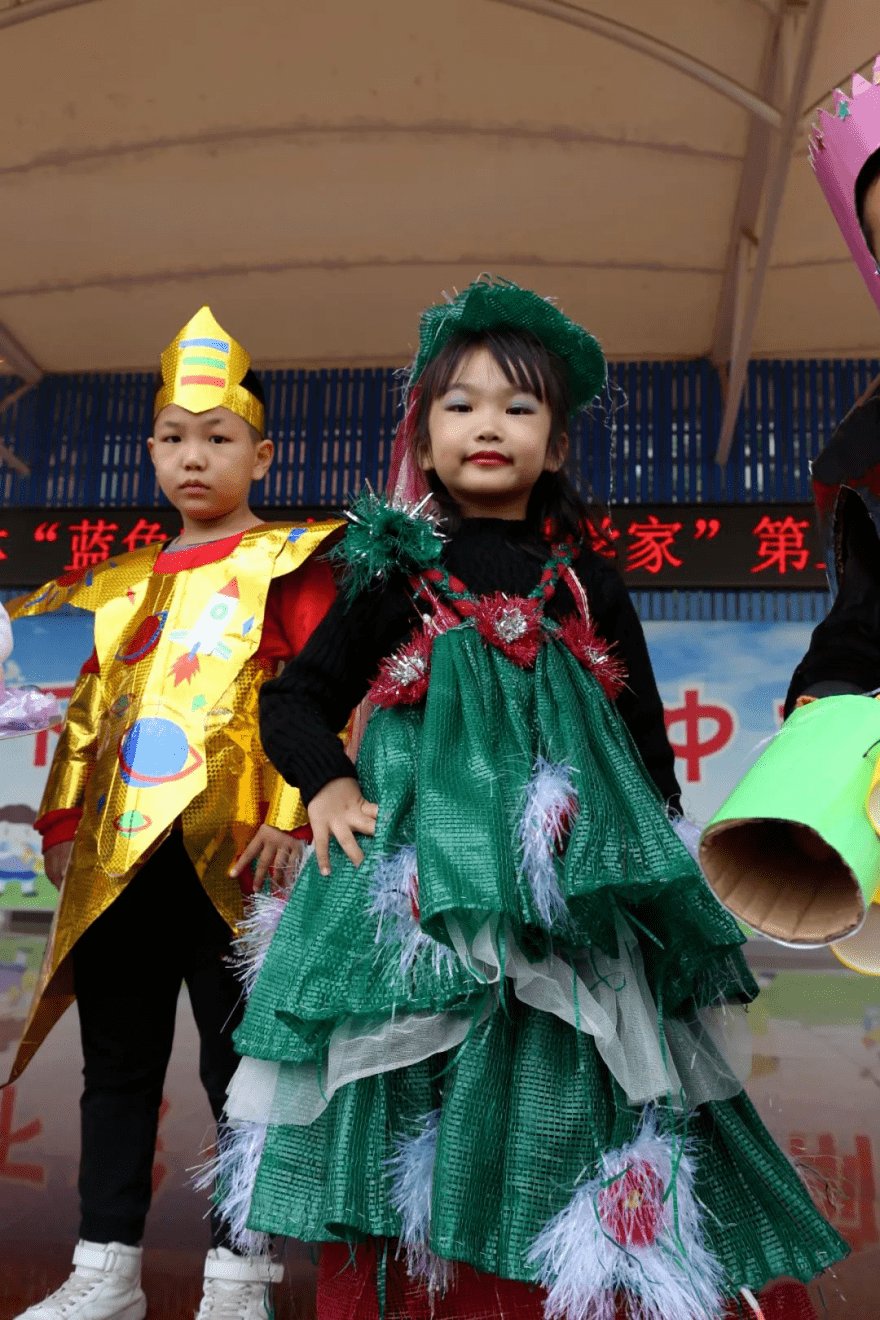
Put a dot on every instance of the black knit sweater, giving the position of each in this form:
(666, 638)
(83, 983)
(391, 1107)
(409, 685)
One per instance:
(301, 710)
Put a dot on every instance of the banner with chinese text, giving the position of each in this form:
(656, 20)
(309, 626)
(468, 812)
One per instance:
(686, 546)
(723, 686)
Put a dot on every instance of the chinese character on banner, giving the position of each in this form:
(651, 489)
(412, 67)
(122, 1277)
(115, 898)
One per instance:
(842, 1185)
(41, 739)
(602, 538)
(693, 747)
(652, 543)
(9, 1137)
(91, 543)
(781, 544)
(3, 533)
(143, 533)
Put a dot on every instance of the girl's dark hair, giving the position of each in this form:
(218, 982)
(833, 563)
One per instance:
(867, 174)
(554, 507)
(250, 381)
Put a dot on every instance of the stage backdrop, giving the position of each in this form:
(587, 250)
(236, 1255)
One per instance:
(723, 686)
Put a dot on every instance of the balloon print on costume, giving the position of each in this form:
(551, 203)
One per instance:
(156, 751)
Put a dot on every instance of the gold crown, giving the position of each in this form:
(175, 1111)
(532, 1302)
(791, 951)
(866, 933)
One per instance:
(203, 368)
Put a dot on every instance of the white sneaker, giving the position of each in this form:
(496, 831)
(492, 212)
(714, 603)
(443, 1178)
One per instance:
(105, 1285)
(238, 1287)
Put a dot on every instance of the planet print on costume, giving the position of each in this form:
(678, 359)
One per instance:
(132, 822)
(155, 751)
(144, 640)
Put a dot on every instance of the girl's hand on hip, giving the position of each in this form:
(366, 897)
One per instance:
(275, 851)
(340, 809)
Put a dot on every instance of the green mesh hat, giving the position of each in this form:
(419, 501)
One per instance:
(491, 303)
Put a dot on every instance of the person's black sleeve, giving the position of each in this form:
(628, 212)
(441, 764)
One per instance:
(844, 654)
(639, 703)
(302, 711)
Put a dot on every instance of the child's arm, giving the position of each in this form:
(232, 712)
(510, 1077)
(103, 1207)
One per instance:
(639, 703)
(61, 808)
(302, 710)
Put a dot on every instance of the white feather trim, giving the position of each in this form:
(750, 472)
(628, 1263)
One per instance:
(628, 1231)
(412, 1173)
(256, 931)
(551, 801)
(689, 833)
(231, 1173)
(394, 896)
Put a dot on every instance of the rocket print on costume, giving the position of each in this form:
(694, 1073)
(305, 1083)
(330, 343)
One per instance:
(206, 633)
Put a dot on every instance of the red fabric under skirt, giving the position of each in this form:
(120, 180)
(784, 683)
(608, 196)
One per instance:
(347, 1290)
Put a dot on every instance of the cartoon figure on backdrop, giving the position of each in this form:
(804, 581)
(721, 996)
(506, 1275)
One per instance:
(159, 802)
(781, 853)
(485, 1052)
(22, 709)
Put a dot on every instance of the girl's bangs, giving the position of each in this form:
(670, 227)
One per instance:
(525, 365)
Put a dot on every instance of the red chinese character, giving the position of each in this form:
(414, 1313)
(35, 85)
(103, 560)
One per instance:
(3, 532)
(781, 544)
(18, 1172)
(143, 533)
(90, 543)
(602, 538)
(41, 740)
(652, 545)
(693, 749)
(842, 1185)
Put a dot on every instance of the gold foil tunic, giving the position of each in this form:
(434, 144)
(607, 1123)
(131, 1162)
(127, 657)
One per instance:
(166, 734)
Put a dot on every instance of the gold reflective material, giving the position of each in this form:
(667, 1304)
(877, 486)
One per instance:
(286, 810)
(167, 735)
(203, 368)
(72, 763)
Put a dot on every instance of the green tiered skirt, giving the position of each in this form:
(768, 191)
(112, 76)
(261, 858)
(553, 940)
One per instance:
(520, 999)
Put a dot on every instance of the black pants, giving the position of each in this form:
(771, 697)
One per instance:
(128, 968)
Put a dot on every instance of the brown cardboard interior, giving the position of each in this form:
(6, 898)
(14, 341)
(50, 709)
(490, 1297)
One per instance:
(782, 879)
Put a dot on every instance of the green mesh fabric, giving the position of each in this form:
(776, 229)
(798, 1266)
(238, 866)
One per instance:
(527, 1105)
(490, 304)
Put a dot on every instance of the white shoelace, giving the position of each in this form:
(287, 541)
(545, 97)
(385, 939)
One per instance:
(230, 1301)
(73, 1290)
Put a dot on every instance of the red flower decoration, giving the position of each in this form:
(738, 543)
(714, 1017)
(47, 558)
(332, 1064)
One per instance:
(513, 624)
(403, 677)
(594, 653)
(631, 1208)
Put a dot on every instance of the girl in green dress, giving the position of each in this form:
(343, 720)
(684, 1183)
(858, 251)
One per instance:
(488, 1054)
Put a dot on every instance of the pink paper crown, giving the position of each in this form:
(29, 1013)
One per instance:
(839, 146)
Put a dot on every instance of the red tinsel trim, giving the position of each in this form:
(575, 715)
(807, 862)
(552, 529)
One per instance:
(403, 677)
(512, 624)
(595, 654)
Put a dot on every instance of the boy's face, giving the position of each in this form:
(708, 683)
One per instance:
(205, 462)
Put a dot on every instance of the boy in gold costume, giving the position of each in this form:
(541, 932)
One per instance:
(161, 809)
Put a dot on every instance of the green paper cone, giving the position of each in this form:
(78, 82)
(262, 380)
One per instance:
(792, 851)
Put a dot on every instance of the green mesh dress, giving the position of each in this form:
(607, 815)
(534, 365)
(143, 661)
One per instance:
(504, 1039)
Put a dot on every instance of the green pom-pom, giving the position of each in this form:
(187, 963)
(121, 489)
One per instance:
(384, 536)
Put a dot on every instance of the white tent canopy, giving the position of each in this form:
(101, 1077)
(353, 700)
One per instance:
(318, 170)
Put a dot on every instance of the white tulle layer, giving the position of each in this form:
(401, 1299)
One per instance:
(706, 1057)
